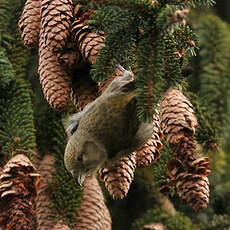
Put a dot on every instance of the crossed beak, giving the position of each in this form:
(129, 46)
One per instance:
(79, 177)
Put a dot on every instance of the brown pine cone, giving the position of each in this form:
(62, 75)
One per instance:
(191, 182)
(178, 123)
(189, 173)
(19, 182)
(176, 110)
(194, 189)
(83, 91)
(68, 57)
(30, 23)
(149, 152)
(93, 213)
(53, 78)
(45, 213)
(56, 17)
(200, 166)
(89, 43)
(119, 177)
(174, 167)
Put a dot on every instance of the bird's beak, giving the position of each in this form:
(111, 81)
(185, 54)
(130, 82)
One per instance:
(79, 177)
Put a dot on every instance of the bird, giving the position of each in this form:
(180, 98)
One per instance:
(105, 130)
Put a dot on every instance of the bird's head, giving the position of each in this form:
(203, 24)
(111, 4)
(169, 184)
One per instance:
(83, 156)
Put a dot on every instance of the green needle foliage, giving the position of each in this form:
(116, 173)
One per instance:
(207, 133)
(160, 175)
(17, 132)
(219, 222)
(6, 71)
(66, 195)
(158, 215)
(214, 55)
(143, 36)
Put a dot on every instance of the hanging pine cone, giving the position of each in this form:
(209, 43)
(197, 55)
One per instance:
(194, 189)
(19, 181)
(53, 77)
(177, 114)
(45, 213)
(56, 17)
(200, 166)
(68, 57)
(192, 184)
(93, 213)
(149, 152)
(119, 177)
(178, 123)
(30, 23)
(84, 91)
(89, 43)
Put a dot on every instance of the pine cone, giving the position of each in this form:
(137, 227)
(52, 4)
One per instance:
(176, 111)
(56, 17)
(53, 78)
(155, 226)
(30, 23)
(149, 152)
(200, 166)
(93, 213)
(89, 43)
(178, 123)
(194, 189)
(45, 213)
(119, 177)
(174, 167)
(84, 91)
(19, 181)
(68, 57)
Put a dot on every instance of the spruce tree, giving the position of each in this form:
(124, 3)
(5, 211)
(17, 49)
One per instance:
(179, 53)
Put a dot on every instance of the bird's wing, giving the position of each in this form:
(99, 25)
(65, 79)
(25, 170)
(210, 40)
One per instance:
(143, 134)
(71, 123)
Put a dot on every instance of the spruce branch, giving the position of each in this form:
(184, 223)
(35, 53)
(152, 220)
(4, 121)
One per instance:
(6, 70)
(214, 36)
(19, 112)
(63, 183)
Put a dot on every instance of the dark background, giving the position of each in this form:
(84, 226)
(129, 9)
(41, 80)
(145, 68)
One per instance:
(223, 9)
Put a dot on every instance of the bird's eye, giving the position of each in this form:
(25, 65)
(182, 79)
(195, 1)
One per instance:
(80, 158)
(73, 130)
